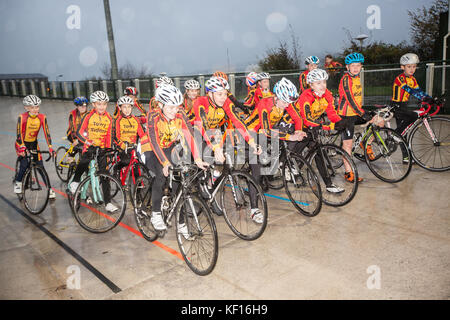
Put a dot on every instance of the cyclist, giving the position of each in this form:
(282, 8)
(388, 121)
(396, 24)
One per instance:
(330, 65)
(192, 87)
(75, 117)
(28, 126)
(262, 87)
(350, 107)
(311, 62)
(95, 130)
(233, 99)
(313, 102)
(154, 104)
(132, 93)
(405, 85)
(249, 103)
(165, 127)
(127, 129)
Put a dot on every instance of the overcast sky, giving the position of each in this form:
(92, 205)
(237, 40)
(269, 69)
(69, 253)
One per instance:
(182, 37)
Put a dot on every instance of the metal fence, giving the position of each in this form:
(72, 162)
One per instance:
(376, 80)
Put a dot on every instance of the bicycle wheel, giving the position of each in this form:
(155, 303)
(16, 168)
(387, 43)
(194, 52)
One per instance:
(89, 207)
(141, 199)
(237, 206)
(358, 148)
(63, 164)
(35, 189)
(387, 146)
(427, 154)
(138, 170)
(302, 185)
(201, 247)
(333, 172)
(19, 195)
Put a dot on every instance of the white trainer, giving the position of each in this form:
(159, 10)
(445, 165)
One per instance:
(335, 189)
(18, 187)
(182, 228)
(157, 221)
(256, 215)
(111, 208)
(73, 187)
(52, 194)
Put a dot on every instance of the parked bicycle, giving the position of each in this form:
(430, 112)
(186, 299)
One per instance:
(66, 161)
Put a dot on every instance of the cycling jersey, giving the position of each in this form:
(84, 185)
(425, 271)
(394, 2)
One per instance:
(163, 133)
(404, 86)
(153, 105)
(350, 96)
(127, 129)
(259, 94)
(332, 65)
(311, 107)
(74, 121)
(96, 129)
(28, 127)
(137, 104)
(267, 115)
(208, 116)
(302, 79)
(249, 100)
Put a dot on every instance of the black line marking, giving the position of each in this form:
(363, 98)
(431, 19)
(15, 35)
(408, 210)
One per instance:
(69, 250)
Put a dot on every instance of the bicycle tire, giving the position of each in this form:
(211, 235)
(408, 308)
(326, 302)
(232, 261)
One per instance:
(141, 199)
(388, 156)
(202, 263)
(30, 182)
(83, 216)
(62, 171)
(306, 183)
(236, 208)
(417, 151)
(139, 170)
(335, 154)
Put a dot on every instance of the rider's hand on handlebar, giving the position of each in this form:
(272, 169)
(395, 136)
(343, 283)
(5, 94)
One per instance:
(166, 170)
(202, 164)
(218, 155)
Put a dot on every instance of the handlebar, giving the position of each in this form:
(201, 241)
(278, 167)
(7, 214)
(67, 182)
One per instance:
(41, 152)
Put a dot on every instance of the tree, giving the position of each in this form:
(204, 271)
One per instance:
(126, 71)
(425, 28)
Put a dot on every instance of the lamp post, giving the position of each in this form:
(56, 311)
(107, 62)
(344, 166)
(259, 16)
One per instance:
(361, 38)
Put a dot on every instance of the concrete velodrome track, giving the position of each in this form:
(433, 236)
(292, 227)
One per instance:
(397, 234)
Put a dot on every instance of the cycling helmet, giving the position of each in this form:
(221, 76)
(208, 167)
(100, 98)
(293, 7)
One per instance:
(316, 75)
(98, 96)
(192, 84)
(130, 91)
(312, 59)
(262, 76)
(354, 57)
(220, 74)
(409, 58)
(79, 101)
(125, 100)
(285, 90)
(250, 80)
(215, 84)
(31, 100)
(169, 95)
(164, 80)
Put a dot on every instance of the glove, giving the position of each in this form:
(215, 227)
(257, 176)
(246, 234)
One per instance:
(21, 149)
(52, 152)
(366, 116)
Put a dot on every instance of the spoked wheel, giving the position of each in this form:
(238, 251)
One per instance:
(35, 189)
(198, 241)
(141, 199)
(358, 148)
(392, 159)
(64, 164)
(302, 185)
(94, 208)
(333, 171)
(242, 198)
(425, 152)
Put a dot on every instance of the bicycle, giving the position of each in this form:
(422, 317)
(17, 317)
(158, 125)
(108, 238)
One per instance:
(65, 164)
(35, 191)
(199, 247)
(89, 200)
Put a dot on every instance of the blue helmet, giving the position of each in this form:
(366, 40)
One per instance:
(79, 101)
(354, 57)
(312, 59)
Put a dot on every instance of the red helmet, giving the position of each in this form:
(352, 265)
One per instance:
(220, 74)
(130, 91)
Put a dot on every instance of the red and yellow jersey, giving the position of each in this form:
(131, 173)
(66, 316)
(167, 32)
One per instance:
(153, 105)
(302, 79)
(350, 96)
(163, 133)
(399, 93)
(260, 94)
(332, 65)
(208, 116)
(127, 129)
(267, 115)
(137, 104)
(249, 100)
(74, 121)
(311, 107)
(97, 129)
(28, 127)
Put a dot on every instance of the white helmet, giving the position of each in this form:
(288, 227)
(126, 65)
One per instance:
(125, 100)
(215, 84)
(192, 84)
(316, 75)
(98, 96)
(31, 100)
(262, 76)
(285, 90)
(409, 58)
(164, 80)
(168, 94)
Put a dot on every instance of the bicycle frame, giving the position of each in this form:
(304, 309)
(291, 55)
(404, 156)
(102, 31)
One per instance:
(70, 150)
(94, 180)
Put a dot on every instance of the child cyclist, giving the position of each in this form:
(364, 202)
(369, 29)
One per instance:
(165, 127)
(28, 126)
(75, 117)
(95, 130)
(350, 107)
(127, 129)
(311, 62)
(154, 104)
(192, 87)
(249, 101)
(132, 93)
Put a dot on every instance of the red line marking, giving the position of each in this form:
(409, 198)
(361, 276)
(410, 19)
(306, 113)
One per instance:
(136, 232)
